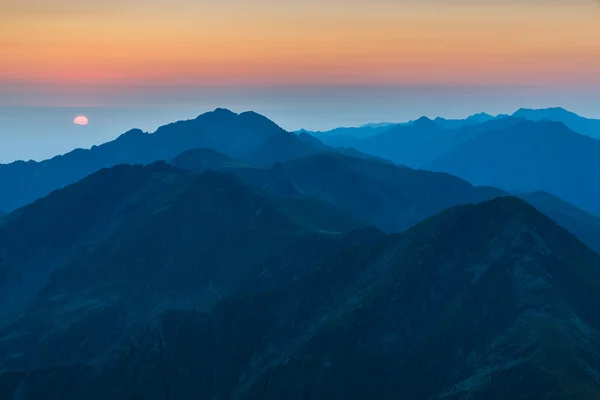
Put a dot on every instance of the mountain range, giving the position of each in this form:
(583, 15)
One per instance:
(390, 197)
(531, 156)
(222, 130)
(225, 258)
(139, 295)
(352, 135)
(515, 154)
(579, 124)
(112, 251)
(247, 136)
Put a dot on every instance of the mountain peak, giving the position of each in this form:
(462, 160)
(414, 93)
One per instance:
(220, 110)
(552, 112)
(480, 117)
(424, 123)
(133, 133)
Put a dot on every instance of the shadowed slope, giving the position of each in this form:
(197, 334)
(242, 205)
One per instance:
(479, 302)
(532, 156)
(108, 253)
(390, 197)
(584, 126)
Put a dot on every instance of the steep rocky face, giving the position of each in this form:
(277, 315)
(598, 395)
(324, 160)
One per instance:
(479, 302)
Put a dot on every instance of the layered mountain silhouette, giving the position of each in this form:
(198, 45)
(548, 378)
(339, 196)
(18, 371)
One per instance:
(109, 253)
(584, 126)
(237, 135)
(348, 137)
(263, 264)
(423, 141)
(531, 156)
(247, 136)
(387, 196)
(481, 301)
(584, 225)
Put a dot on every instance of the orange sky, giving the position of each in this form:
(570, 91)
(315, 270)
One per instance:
(329, 42)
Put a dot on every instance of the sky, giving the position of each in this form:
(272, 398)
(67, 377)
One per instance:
(305, 63)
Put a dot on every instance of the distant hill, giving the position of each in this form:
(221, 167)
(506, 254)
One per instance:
(474, 119)
(237, 135)
(385, 195)
(485, 301)
(348, 137)
(531, 156)
(353, 137)
(284, 147)
(584, 126)
(200, 160)
(381, 195)
(423, 141)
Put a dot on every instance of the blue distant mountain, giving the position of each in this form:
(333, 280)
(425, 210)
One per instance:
(585, 126)
(236, 135)
(384, 195)
(421, 142)
(348, 137)
(267, 265)
(472, 120)
(531, 156)
(248, 136)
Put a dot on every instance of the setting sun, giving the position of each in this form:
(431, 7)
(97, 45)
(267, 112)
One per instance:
(81, 120)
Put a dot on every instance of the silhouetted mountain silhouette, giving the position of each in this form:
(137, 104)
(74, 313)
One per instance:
(484, 301)
(282, 147)
(110, 252)
(347, 137)
(531, 156)
(423, 141)
(379, 193)
(388, 196)
(221, 130)
(584, 126)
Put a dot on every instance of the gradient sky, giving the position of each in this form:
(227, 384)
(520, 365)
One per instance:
(142, 53)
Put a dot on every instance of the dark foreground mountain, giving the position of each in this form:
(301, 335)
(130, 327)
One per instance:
(385, 195)
(490, 301)
(584, 126)
(532, 156)
(91, 263)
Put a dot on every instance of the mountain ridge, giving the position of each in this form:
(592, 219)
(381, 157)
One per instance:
(490, 307)
(531, 156)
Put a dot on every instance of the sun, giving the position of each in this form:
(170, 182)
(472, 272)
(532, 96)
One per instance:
(81, 120)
